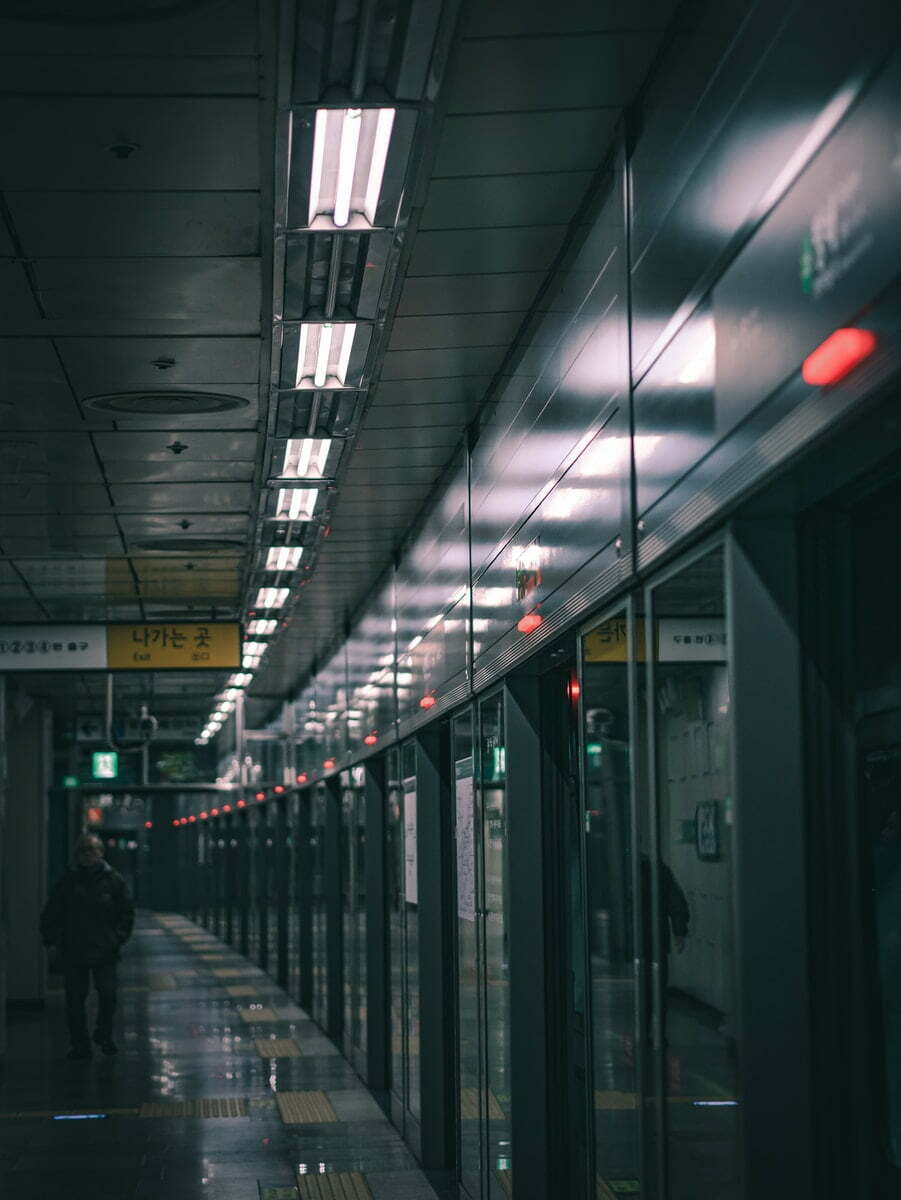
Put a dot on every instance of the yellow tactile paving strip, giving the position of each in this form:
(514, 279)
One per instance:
(505, 1179)
(228, 1106)
(469, 1105)
(334, 1185)
(254, 1015)
(161, 981)
(305, 1108)
(242, 989)
(230, 972)
(615, 1101)
(277, 1048)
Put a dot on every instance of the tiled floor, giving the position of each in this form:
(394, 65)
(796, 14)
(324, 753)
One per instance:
(182, 1039)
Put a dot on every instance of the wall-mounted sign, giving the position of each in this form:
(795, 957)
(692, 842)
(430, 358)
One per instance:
(155, 646)
(691, 639)
(105, 764)
(175, 727)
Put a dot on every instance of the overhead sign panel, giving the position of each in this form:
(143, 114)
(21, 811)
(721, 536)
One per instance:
(172, 645)
(155, 646)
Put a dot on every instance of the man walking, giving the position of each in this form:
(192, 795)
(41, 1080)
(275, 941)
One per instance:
(88, 918)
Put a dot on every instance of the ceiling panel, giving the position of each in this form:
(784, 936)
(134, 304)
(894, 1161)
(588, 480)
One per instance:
(182, 497)
(459, 329)
(178, 471)
(389, 416)
(590, 71)
(222, 288)
(541, 199)
(503, 143)
(58, 496)
(109, 364)
(208, 446)
(180, 143)
(536, 17)
(16, 299)
(427, 364)
(462, 388)
(136, 526)
(144, 75)
(451, 251)
(101, 224)
(469, 293)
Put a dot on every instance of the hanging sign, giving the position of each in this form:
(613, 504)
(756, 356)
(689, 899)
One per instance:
(105, 764)
(153, 646)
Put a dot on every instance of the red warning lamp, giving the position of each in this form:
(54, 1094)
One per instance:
(242, 804)
(370, 739)
(329, 763)
(214, 812)
(302, 777)
(529, 623)
(204, 816)
(176, 821)
(428, 701)
(260, 796)
(573, 689)
(278, 789)
(837, 357)
(226, 808)
(192, 819)
(148, 824)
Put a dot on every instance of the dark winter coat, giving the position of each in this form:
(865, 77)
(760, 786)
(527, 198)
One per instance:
(89, 916)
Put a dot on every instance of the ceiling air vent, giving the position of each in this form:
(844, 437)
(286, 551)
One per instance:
(171, 403)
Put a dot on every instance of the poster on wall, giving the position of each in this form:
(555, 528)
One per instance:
(465, 830)
(707, 831)
(411, 854)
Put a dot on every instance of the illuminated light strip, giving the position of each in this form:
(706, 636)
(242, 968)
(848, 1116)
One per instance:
(383, 129)
(319, 136)
(347, 164)
(322, 355)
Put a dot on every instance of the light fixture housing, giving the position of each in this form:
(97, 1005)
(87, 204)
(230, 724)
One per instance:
(262, 627)
(296, 504)
(350, 152)
(323, 354)
(271, 597)
(283, 558)
(305, 458)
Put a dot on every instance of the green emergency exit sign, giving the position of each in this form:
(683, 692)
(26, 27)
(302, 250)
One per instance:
(105, 764)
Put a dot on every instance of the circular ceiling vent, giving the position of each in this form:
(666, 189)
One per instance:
(188, 545)
(181, 403)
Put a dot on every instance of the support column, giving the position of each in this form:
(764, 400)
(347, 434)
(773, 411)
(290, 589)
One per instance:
(25, 846)
(436, 973)
(529, 1084)
(768, 776)
(334, 909)
(376, 928)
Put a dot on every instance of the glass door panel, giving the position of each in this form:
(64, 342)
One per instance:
(411, 917)
(319, 947)
(358, 898)
(496, 1098)
(470, 1078)
(610, 867)
(347, 921)
(396, 950)
(687, 874)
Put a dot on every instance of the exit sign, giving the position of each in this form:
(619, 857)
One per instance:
(105, 764)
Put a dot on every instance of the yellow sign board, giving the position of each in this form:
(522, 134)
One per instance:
(173, 645)
(608, 642)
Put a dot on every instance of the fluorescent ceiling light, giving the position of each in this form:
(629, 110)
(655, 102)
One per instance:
(305, 458)
(296, 504)
(262, 626)
(271, 597)
(283, 558)
(323, 354)
(253, 648)
(251, 661)
(230, 693)
(226, 706)
(350, 150)
(240, 680)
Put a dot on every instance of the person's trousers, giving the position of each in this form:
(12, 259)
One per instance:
(77, 980)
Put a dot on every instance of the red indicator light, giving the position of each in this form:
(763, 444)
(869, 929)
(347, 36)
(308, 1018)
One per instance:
(176, 821)
(370, 739)
(574, 690)
(529, 623)
(192, 819)
(148, 824)
(260, 796)
(278, 789)
(837, 357)
(226, 808)
(204, 816)
(242, 804)
(214, 812)
(428, 701)
(329, 763)
(302, 777)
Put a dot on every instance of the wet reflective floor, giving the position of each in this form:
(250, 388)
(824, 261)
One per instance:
(198, 1103)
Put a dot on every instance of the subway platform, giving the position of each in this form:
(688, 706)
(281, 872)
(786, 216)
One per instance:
(223, 1089)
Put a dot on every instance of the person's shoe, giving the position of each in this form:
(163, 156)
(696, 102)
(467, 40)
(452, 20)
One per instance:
(79, 1053)
(107, 1045)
